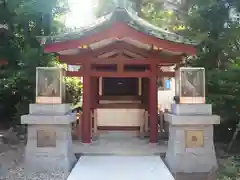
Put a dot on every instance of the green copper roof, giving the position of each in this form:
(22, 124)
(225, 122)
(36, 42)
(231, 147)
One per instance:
(125, 15)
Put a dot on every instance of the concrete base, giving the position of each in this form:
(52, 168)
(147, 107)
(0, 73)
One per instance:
(49, 143)
(49, 109)
(191, 120)
(198, 159)
(191, 153)
(120, 143)
(187, 109)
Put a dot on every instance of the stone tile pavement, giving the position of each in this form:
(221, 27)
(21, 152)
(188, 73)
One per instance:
(119, 143)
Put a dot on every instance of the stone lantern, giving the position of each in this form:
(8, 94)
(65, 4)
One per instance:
(191, 152)
(49, 142)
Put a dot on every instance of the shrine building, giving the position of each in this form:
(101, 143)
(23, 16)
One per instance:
(120, 57)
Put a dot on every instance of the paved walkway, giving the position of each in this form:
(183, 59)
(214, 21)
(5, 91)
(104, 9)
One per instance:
(119, 143)
(120, 168)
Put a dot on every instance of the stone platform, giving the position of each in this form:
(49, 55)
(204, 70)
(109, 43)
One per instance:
(191, 153)
(120, 143)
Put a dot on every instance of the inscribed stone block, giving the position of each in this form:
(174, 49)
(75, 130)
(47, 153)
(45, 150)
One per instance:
(194, 138)
(46, 138)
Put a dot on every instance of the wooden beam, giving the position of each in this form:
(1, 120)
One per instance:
(75, 73)
(108, 54)
(132, 54)
(124, 46)
(75, 59)
(123, 60)
(122, 75)
(120, 46)
(120, 30)
(85, 122)
(139, 51)
(108, 74)
(152, 96)
(119, 74)
(165, 74)
(78, 59)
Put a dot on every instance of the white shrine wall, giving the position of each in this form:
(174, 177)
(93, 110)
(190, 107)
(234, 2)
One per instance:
(120, 117)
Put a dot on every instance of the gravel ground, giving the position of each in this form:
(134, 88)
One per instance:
(12, 168)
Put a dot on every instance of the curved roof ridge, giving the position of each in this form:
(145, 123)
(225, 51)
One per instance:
(94, 23)
(148, 24)
(81, 30)
(155, 30)
(126, 14)
(145, 22)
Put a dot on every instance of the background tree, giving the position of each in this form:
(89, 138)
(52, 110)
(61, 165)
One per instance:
(216, 24)
(26, 20)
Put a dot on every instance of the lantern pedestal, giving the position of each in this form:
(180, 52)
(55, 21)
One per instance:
(49, 143)
(191, 153)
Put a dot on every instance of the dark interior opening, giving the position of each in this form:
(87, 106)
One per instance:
(136, 68)
(105, 68)
(120, 86)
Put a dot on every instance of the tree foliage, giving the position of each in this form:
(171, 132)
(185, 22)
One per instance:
(216, 24)
(25, 19)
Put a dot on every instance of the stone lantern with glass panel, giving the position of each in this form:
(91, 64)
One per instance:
(50, 86)
(190, 85)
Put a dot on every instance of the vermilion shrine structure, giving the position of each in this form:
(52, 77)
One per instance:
(120, 58)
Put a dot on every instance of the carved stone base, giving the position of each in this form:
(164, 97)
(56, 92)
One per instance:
(191, 149)
(49, 142)
(49, 147)
(191, 153)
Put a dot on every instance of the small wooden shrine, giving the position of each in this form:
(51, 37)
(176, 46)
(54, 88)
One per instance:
(120, 58)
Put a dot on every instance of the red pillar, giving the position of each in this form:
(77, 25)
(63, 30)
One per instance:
(145, 92)
(93, 92)
(97, 91)
(85, 123)
(153, 104)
